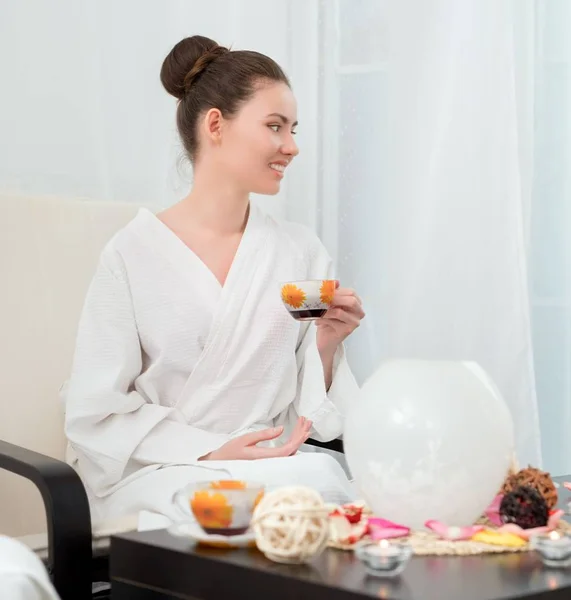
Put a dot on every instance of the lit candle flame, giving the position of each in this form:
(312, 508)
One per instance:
(384, 544)
(554, 535)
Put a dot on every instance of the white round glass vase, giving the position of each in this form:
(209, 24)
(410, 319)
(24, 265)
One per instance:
(429, 440)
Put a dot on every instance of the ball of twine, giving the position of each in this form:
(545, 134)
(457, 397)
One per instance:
(534, 478)
(291, 524)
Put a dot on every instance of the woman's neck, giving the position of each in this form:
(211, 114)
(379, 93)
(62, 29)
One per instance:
(216, 205)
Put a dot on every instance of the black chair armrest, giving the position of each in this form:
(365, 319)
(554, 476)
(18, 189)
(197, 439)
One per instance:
(336, 445)
(68, 517)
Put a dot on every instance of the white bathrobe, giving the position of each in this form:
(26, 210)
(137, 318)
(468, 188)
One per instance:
(170, 365)
(22, 574)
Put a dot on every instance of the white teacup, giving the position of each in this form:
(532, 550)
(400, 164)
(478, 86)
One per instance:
(221, 507)
(308, 300)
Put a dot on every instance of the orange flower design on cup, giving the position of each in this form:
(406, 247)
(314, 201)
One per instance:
(221, 507)
(211, 510)
(228, 484)
(258, 498)
(293, 295)
(327, 291)
(308, 299)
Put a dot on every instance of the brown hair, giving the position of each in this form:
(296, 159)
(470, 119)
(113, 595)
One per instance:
(204, 75)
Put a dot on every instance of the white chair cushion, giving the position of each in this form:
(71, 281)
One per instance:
(49, 249)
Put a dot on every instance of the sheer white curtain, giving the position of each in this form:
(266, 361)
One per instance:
(550, 225)
(447, 195)
(433, 186)
(83, 113)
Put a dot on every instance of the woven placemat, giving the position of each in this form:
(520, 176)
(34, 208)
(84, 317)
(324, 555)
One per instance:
(425, 543)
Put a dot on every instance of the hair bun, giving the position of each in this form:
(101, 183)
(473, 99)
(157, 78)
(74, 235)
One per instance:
(186, 61)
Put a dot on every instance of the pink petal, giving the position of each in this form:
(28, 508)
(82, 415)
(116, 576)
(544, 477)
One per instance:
(554, 519)
(493, 511)
(381, 529)
(385, 533)
(522, 533)
(527, 533)
(452, 533)
(378, 522)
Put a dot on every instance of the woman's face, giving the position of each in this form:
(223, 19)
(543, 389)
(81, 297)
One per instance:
(257, 144)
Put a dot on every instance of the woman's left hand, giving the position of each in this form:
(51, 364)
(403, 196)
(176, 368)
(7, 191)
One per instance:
(342, 318)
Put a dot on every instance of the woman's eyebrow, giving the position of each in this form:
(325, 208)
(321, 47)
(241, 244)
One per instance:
(284, 119)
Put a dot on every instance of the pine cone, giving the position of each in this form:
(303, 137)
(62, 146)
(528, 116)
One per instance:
(536, 479)
(525, 507)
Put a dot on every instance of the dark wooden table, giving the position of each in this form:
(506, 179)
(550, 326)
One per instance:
(154, 565)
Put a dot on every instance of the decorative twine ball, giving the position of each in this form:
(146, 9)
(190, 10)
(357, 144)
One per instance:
(534, 478)
(291, 524)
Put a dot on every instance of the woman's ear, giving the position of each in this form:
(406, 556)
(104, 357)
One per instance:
(213, 124)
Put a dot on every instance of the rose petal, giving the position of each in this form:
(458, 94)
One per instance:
(385, 533)
(452, 533)
(493, 511)
(524, 534)
(382, 529)
(378, 522)
(554, 519)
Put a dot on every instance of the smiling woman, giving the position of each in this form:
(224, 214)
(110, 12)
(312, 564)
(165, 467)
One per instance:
(187, 366)
(244, 95)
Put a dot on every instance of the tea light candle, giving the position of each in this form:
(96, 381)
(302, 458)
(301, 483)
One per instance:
(556, 538)
(554, 548)
(384, 549)
(383, 559)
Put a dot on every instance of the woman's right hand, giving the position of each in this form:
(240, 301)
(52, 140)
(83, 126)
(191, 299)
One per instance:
(245, 446)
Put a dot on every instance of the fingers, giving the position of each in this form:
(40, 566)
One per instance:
(250, 439)
(348, 303)
(288, 449)
(340, 328)
(300, 432)
(299, 436)
(346, 293)
(305, 430)
(298, 427)
(343, 316)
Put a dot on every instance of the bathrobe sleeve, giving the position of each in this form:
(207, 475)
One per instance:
(108, 423)
(326, 408)
(22, 574)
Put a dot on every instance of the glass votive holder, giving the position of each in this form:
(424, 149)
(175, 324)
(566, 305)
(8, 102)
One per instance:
(383, 558)
(554, 548)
